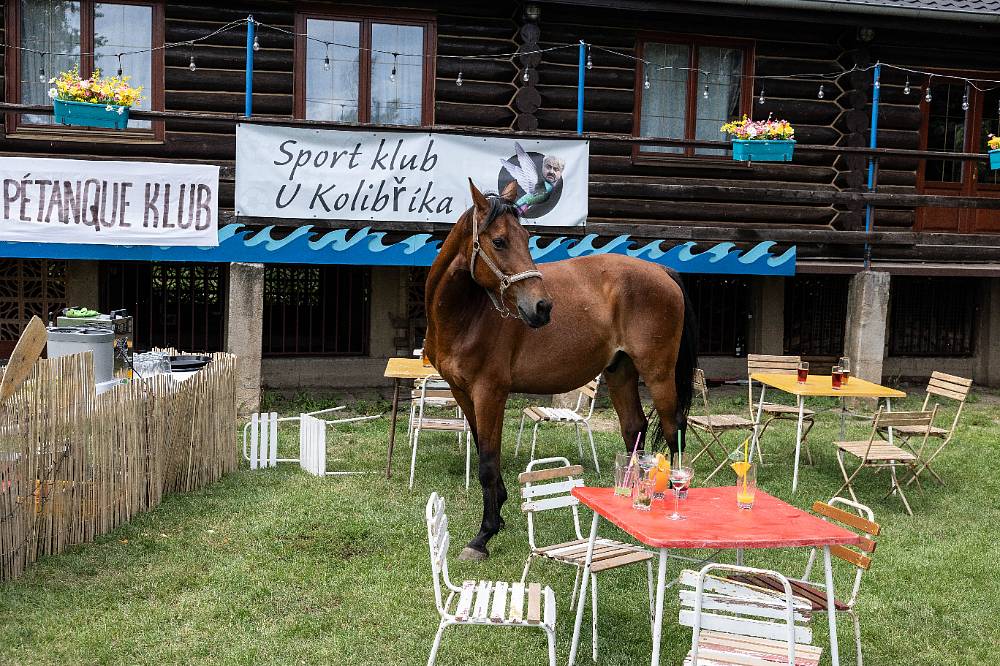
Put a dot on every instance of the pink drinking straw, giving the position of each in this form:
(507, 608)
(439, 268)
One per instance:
(633, 459)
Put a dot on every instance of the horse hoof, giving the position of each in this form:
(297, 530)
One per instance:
(472, 555)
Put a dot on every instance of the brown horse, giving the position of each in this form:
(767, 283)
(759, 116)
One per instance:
(496, 323)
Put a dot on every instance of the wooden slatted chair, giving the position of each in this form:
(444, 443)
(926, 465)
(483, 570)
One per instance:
(713, 426)
(737, 624)
(879, 454)
(774, 411)
(550, 488)
(422, 423)
(577, 417)
(941, 385)
(483, 602)
(860, 558)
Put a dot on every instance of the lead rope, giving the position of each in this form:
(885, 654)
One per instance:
(505, 280)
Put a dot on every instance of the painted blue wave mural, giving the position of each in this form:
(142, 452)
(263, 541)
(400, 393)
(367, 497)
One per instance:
(364, 247)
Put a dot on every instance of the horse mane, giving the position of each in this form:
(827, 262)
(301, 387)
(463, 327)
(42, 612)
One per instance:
(499, 206)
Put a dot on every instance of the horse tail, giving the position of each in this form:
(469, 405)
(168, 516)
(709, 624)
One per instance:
(687, 361)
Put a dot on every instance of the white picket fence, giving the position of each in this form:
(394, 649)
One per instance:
(260, 440)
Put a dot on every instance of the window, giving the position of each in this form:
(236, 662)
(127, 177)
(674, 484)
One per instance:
(61, 34)
(28, 287)
(815, 315)
(933, 316)
(722, 307)
(355, 69)
(680, 73)
(316, 310)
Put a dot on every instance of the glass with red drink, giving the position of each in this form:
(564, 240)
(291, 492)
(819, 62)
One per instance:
(803, 372)
(845, 369)
(837, 377)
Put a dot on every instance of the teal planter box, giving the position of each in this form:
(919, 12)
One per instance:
(763, 151)
(995, 159)
(85, 114)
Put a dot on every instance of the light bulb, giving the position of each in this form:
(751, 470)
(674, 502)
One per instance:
(326, 63)
(906, 88)
(927, 97)
(41, 75)
(191, 65)
(392, 74)
(965, 102)
(760, 100)
(526, 76)
(821, 94)
(256, 44)
(458, 81)
(645, 81)
(590, 63)
(705, 92)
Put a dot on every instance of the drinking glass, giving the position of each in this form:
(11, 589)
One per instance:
(836, 377)
(623, 484)
(845, 369)
(746, 486)
(803, 371)
(680, 477)
(642, 493)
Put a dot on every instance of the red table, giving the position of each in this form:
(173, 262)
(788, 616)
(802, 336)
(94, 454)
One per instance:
(713, 521)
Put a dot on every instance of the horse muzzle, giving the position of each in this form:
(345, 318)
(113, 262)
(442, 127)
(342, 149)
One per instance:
(539, 315)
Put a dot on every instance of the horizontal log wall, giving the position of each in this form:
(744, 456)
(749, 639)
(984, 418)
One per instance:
(624, 194)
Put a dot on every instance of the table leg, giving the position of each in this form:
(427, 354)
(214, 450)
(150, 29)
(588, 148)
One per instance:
(798, 442)
(582, 599)
(843, 419)
(831, 612)
(392, 428)
(739, 557)
(756, 426)
(888, 408)
(661, 580)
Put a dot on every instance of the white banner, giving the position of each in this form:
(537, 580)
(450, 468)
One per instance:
(111, 203)
(300, 173)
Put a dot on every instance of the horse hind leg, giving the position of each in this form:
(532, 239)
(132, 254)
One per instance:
(622, 379)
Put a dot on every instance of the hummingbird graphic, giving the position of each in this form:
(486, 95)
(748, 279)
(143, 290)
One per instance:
(536, 190)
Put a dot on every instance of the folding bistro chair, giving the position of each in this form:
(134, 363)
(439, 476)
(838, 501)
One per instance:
(940, 385)
(483, 602)
(423, 423)
(579, 416)
(774, 411)
(713, 426)
(879, 454)
(861, 559)
(735, 624)
(550, 488)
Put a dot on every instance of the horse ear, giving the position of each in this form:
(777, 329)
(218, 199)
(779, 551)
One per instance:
(510, 192)
(478, 200)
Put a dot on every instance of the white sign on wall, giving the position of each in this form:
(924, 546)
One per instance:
(111, 203)
(302, 173)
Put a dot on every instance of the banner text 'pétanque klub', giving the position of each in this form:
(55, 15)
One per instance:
(303, 173)
(108, 202)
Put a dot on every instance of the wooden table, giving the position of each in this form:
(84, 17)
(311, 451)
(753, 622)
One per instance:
(817, 386)
(397, 369)
(714, 521)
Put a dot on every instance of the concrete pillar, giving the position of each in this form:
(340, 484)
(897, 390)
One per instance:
(865, 330)
(245, 331)
(988, 340)
(384, 309)
(767, 329)
(83, 287)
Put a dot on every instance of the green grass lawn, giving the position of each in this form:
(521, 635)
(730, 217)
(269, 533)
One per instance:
(280, 567)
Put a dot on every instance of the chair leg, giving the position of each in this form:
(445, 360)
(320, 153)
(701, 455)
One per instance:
(437, 643)
(895, 483)
(534, 438)
(552, 645)
(857, 638)
(527, 565)
(576, 587)
(517, 449)
(847, 478)
(593, 611)
(579, 442)
(413, 454)
(593, 449)
(805, 440)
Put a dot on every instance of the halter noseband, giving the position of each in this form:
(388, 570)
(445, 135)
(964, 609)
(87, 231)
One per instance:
(505, 280)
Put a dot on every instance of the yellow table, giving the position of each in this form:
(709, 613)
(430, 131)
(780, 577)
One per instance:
(397, 369)
(817, 386)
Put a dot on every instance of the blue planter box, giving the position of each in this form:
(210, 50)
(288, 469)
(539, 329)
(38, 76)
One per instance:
(763, 151)
(85, 114)
(995, 159)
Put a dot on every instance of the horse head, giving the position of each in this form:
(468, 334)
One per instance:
(500, 260)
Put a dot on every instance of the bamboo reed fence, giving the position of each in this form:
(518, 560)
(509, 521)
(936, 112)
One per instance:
(74, 465)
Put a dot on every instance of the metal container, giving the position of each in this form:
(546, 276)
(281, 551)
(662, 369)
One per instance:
(66, 340)
(121, 324)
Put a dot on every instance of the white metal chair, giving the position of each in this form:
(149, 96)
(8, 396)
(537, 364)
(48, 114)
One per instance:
(438, 424)
(815, 593)
(736, 624)
(483, 602)
(577, 417)
(550, 488)
(775, 411)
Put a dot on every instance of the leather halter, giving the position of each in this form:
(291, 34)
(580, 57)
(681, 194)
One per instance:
(505, 280)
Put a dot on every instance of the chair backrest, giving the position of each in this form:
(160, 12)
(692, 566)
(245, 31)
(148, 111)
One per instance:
(438, 539)
(765, 363)
(719, 604)
(886, 419)
(861, 522)
(701, 387)
(955, 388)
(587, 392)
(550, 488)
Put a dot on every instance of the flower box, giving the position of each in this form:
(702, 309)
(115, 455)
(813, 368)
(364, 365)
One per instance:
(995, 159)
(89, 114)
(766, 150)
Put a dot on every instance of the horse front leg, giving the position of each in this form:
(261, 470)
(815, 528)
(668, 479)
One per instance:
(489, 410)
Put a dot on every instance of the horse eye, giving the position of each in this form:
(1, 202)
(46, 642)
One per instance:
(498, 243)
